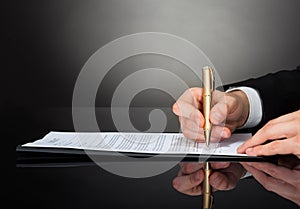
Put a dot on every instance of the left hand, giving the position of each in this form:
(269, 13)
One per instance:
(284, 133)
(283, 180)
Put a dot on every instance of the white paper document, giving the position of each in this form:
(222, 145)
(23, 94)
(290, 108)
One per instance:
(156, 143)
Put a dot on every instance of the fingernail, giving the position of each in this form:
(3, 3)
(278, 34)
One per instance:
(224, 134)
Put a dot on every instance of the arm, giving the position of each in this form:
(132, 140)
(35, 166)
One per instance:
(279, 93)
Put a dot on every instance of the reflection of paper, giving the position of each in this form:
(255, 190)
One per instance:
(157, 143)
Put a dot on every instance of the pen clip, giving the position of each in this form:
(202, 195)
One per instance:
(211, 201)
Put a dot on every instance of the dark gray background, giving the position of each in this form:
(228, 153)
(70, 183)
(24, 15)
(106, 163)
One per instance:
(51, 41)
(48, 44)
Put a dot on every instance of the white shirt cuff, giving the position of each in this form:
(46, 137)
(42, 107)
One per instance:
(255, 106)
(246, 175)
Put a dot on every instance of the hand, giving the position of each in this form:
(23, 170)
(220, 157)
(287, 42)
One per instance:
(229, 111)
(224, 176)
(283, 180)
(284, 136)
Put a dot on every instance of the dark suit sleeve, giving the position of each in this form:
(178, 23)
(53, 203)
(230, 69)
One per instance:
(279, 92)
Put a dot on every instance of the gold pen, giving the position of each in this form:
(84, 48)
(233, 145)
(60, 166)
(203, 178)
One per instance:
(208, 86)
(207, 196)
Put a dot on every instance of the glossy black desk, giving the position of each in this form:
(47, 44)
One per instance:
(93, 187)
(90, 186)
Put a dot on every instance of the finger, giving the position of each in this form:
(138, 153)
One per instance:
(271, 184)
(191, 125)
(192, 96)
(189, 168)
(218, 113)
(284, 146)
(187, 110)
(270, 131)
(278, 172)
(228, 111)
(228, 177)
(222, 181)
(195, 191)
(219, 165)
(218, 134)
(187, 182)
(222, 109)
(218, 97)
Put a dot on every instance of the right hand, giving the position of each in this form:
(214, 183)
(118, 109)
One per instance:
(229, 111)
(224, 176)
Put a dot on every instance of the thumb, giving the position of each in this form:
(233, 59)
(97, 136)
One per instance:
(218, 113)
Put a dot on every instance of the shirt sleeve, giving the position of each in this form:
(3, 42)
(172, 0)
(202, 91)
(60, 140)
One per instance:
(255, 106)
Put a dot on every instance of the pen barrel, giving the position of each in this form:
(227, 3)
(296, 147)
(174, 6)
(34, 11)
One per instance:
(207, 79)
(207, 196)
(206, 111)
(206, 185)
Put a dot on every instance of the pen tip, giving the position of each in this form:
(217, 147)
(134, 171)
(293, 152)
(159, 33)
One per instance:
(207, 137)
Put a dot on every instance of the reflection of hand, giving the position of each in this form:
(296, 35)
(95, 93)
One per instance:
(286, 128)
(231, 106)
(224, 176)
(283, 180)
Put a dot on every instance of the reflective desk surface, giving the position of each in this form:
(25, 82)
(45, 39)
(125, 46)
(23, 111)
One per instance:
(91, 186)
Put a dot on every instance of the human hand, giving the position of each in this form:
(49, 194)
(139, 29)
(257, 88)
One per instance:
(224, 176)
(284, 136)
(282, 179)
(229, 111)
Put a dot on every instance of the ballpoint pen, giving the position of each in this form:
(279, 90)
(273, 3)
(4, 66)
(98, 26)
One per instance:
(207, 196)
(208, 86)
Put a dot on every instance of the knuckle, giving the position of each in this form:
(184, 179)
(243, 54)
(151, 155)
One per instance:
(269, 124)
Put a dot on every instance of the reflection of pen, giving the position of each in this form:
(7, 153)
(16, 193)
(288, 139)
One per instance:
(208, 85)
(207, 196)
